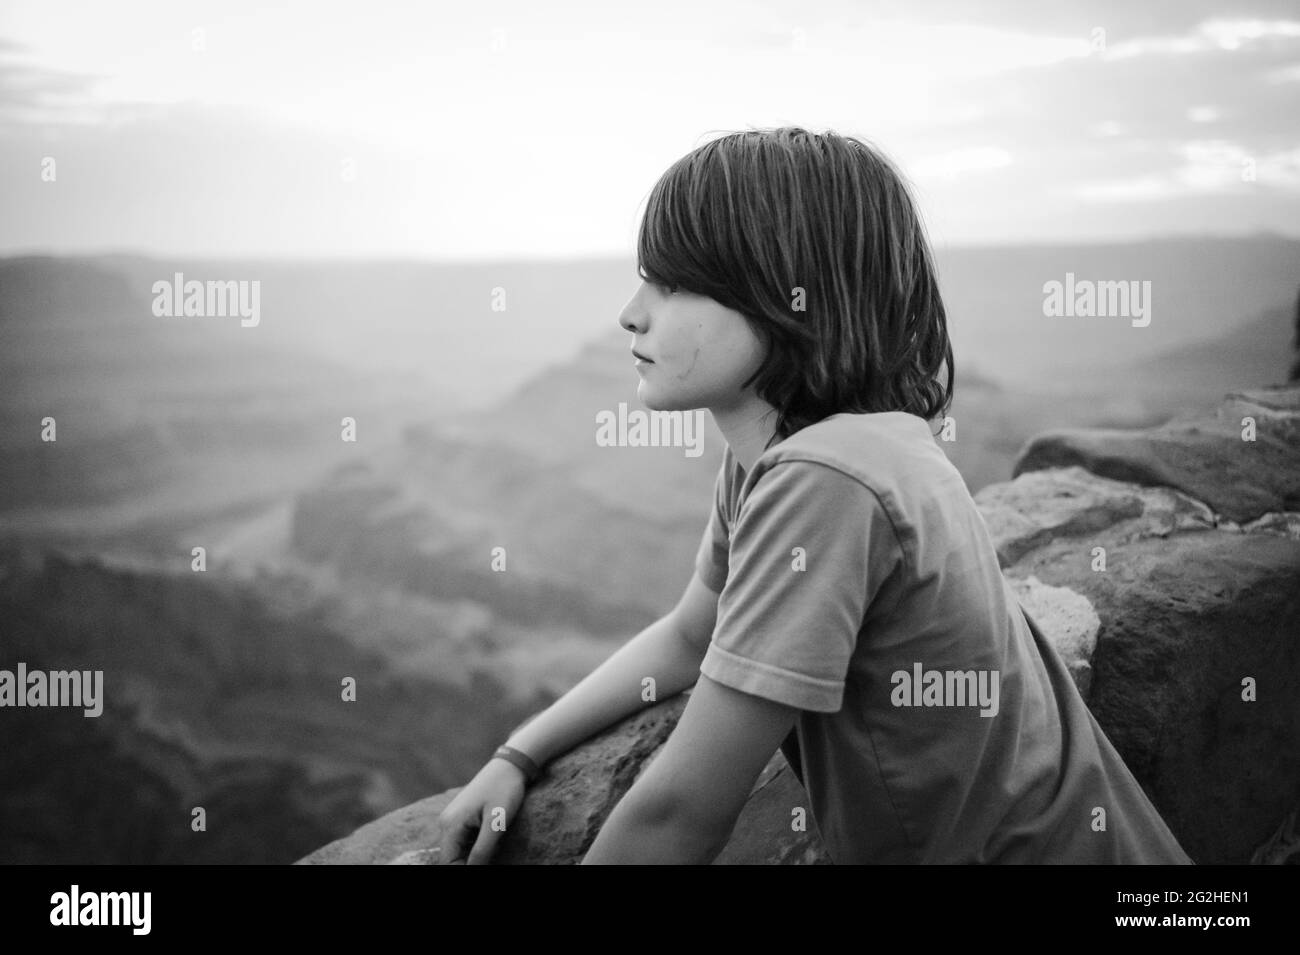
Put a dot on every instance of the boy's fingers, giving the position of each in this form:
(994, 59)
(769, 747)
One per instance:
(485, 843)
(455, 835)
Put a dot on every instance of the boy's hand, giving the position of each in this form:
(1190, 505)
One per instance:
(476, 818)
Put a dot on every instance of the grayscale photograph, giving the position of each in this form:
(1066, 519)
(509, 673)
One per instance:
(700, 433)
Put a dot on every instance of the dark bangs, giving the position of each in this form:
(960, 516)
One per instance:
(817, 241)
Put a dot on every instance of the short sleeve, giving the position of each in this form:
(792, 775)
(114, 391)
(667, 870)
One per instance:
(809, 551)
(711, 558)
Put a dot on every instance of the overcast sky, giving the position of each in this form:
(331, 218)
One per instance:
(485, 129)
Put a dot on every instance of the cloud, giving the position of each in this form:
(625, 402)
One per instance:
(34, 96)
(1213, 34)
(1208, 167)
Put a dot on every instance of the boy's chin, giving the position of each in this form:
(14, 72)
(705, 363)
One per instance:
(656, 402)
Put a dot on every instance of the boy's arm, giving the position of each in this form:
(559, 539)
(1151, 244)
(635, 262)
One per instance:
(686, 803)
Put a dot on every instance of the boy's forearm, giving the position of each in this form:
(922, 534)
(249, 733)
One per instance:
(613, 690)
(645, 829)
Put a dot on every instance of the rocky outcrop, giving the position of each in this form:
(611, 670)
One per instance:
(1164, 564)
(1205, 458)
(1187, 547)
(566, 807)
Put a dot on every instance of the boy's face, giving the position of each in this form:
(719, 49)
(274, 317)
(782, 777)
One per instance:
(700, 351)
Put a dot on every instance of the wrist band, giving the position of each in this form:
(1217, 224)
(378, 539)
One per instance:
(522, 760)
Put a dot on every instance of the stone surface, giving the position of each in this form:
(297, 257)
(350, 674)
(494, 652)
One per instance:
(566, 806)
(1040, 507)
(1204, 457)
(1183, 622)
(1283, 847)
(390, 838)
(564, 810)
(1067, 619)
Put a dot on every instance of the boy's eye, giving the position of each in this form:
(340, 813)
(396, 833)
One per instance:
(670, 289)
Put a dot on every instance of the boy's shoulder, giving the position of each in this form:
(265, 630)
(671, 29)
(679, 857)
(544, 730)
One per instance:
(885, 450)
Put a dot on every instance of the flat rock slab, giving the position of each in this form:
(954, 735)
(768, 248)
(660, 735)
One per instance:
(1205, 457)
(1040, 507)
(403, 831)
(565, 807)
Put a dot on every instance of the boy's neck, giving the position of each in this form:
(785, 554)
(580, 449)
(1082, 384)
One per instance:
(747, 426)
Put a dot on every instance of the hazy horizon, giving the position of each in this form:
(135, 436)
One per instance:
(627, 255)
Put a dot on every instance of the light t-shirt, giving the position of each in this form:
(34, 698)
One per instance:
(858, 582)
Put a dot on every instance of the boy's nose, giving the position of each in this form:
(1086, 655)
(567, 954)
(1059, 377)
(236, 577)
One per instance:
(631, 317)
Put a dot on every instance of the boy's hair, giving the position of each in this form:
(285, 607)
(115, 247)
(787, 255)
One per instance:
(752, 217)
